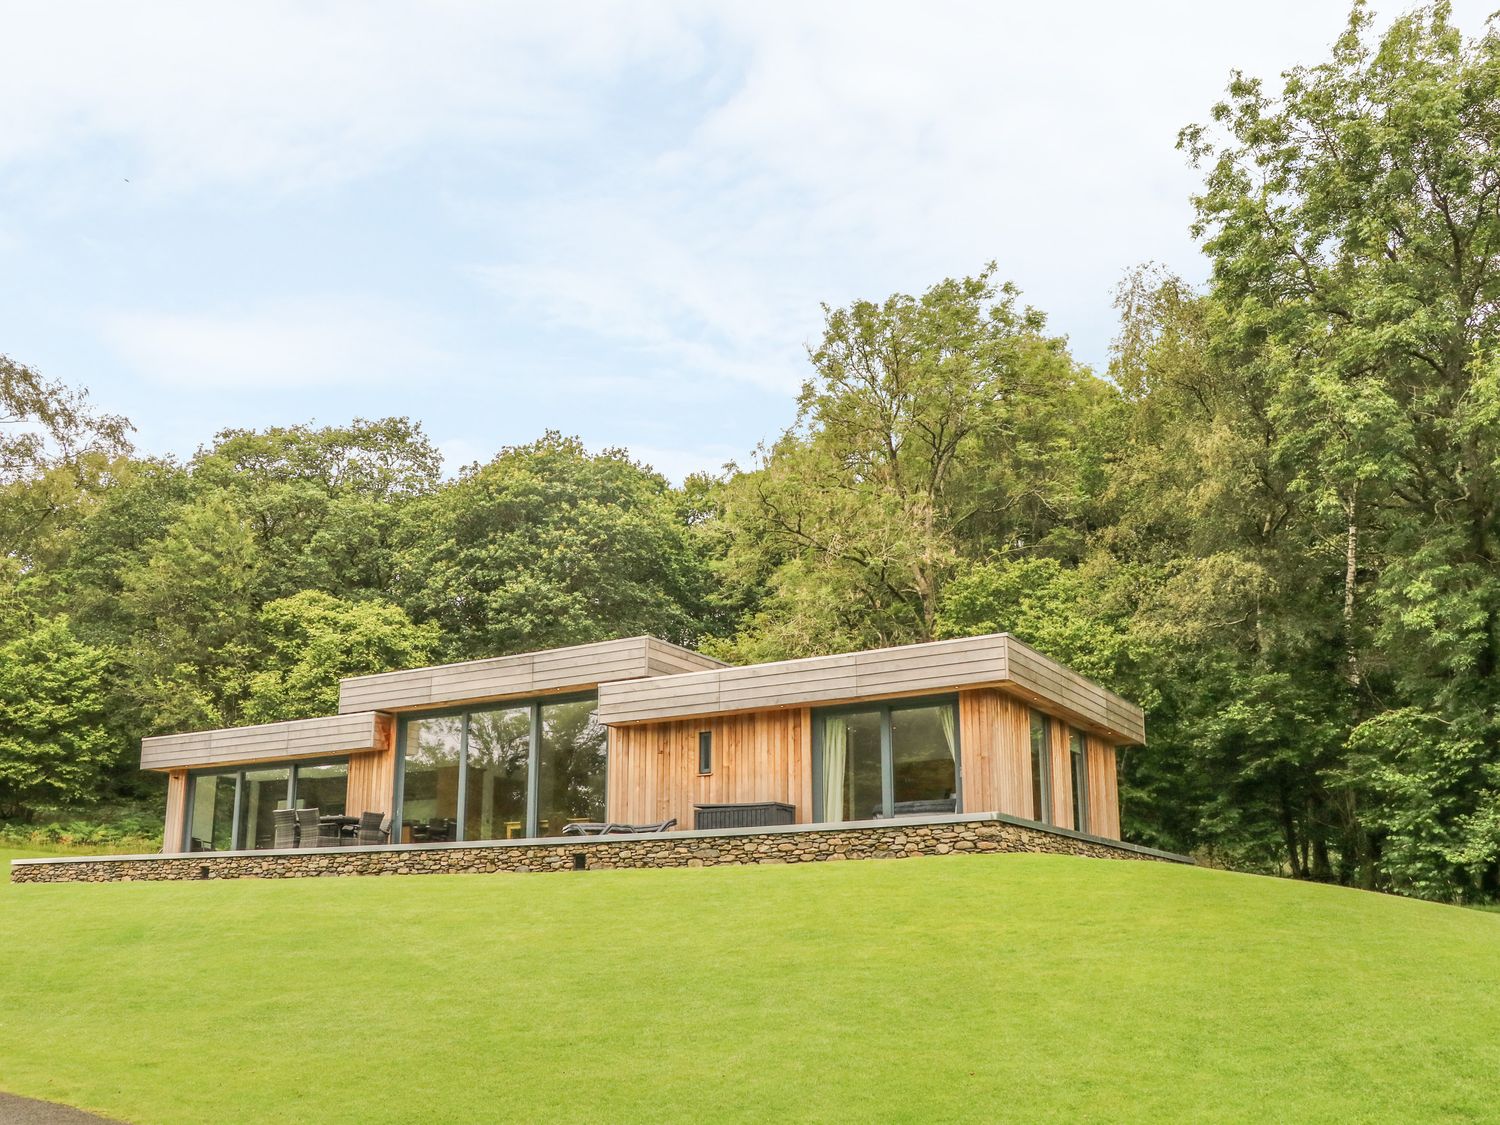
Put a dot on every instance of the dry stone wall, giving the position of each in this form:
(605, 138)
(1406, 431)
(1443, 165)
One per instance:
(797, 844)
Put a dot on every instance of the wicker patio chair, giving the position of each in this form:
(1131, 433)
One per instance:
(374, 828)
(284, 828)
(315, 834)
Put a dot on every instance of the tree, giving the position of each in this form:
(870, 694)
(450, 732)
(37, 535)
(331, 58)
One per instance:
(317, 640)
(325, 504)
(55, 451)
(56, 745)
(549, 544)
(932, 427)
(196, 634)
(45, 424)
(1353, 227)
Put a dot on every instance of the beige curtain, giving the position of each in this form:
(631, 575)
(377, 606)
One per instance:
(949, 717)
(835, 759)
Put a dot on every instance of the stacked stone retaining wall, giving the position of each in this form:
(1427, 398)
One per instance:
(977, 834)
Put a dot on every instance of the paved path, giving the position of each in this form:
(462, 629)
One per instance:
(28, 1111)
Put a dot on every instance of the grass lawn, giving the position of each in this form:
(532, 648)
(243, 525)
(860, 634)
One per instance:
(958, 988)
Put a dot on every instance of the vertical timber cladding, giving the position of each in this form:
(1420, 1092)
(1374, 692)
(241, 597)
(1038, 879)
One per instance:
(995, 737)
(760, 756)
(172, 833)
(372, 776)
(1104, 792)
(1062, 775)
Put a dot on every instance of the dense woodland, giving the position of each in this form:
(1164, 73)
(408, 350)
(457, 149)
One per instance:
(1273, 521)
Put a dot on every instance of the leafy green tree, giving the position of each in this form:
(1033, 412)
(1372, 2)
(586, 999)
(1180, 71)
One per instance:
(56, 745)
(325, 504)
(1352, 224)
(317, 640)
(932, 426)
(549, 544)
(196, 634)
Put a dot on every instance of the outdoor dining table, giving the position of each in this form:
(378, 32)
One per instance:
(343, 822)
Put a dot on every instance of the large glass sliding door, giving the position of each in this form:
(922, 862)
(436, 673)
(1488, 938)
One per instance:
(499, 759)
(852, 766)
(433, 758)
(886, 760)
(571, 766)
(211, 824)
(527, 769)
(262, 791)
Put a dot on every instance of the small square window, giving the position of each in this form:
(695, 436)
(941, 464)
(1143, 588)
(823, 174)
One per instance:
(706, 751)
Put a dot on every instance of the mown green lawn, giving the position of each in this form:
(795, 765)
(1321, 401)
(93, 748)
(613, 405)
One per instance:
(976, 988)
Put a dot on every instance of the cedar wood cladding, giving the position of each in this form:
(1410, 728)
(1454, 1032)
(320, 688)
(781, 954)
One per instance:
(528, 674)
(653, 768)
(271, 742)
(997, 660)
(995, 740)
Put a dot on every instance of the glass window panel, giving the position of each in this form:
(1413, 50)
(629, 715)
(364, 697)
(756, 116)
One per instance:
(852, 788)
(263, 791)
(495, 793)
(1080, 781)
(429, 793)
(924, 759)
(571, 766)
(323, 786)
(211, 827)
(1041, 769)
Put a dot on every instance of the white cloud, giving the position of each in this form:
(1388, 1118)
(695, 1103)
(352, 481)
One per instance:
(290, 94)
(315, 343)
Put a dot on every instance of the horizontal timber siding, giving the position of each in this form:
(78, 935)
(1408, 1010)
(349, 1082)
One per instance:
(578, 667)
(765, 756)
(268, 742)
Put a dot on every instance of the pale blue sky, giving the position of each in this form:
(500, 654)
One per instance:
(617, 220)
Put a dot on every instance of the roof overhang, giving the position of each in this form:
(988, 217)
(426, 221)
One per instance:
(997, 660)
(333, 735)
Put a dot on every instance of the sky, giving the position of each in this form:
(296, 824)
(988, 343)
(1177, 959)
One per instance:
(617, 220)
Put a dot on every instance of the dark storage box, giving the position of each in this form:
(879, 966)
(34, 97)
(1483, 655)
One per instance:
(757, 815)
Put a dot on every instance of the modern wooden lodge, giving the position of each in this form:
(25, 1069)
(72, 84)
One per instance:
(638, 731)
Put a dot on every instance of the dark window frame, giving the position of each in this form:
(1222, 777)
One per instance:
(887, 759)
(705, 752)
(291, 765)
(533, 755)
(1041, 779)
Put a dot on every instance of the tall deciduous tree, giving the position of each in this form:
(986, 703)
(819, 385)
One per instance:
(932, 424)
(1353, 224)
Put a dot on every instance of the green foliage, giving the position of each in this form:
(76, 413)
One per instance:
(551, 545)
(933, 425)
(55, 743)
(317, 639)
(196, 633)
